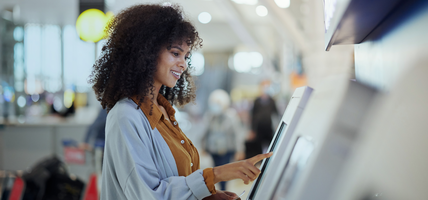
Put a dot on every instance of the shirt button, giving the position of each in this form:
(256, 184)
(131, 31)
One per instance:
(175, 123)
(191, 164)
(182, 141)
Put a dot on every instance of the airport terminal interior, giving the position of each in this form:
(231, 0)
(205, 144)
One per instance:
(336, 89)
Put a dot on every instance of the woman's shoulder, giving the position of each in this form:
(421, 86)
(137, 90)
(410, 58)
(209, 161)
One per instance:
(126, 112)
(125, 108)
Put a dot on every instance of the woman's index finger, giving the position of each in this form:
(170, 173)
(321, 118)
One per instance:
(259, 157)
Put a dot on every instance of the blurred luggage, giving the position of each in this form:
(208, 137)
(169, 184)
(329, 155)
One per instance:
(50, 180)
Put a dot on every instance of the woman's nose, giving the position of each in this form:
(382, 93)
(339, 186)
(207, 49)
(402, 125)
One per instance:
(183, 64)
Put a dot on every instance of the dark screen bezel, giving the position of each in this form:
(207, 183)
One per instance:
(281, 130)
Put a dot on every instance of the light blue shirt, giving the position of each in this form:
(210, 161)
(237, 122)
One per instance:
(138, 163)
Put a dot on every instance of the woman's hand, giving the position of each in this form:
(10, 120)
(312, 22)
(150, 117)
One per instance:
(222, 195)
(244, 170)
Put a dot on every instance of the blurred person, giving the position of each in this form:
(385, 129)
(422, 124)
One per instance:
(96, 132)
(143, 71)
(94, 141)
(261, 134)
(222, 138)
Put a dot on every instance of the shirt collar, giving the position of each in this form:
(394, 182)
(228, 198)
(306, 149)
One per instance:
(156, 116)
(165, 103)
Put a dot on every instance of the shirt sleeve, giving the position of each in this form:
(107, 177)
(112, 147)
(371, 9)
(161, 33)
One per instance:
(131, 166)
(209, 179)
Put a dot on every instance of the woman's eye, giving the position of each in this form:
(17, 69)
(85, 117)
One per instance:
(175, 54)
(186, 58)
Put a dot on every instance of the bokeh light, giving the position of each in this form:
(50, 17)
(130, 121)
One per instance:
(109, 17)
(18, 34)
(9, 94)
(204, 17)
(246, 61)
(21, 101)
(198, 62)
(261, 11)
(35, 97)
(90, 25)
(283, 3)
(57, 104)
(68, 98)
(247, 2)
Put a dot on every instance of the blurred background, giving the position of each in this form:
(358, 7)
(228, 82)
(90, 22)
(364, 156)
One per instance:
(45, 65)
(46, 103)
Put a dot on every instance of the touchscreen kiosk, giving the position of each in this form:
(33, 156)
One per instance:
(282, 135)
(391, 162)
(328, 125)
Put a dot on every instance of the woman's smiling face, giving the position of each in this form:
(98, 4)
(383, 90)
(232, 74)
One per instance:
(171, 65)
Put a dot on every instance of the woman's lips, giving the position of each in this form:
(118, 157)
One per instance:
(176, 74)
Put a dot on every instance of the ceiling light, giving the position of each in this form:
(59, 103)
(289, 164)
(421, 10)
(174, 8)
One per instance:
(283, 3)
(261, 11)
(204, 17)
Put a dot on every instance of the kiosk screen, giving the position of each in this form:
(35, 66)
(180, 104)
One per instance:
(266, 162)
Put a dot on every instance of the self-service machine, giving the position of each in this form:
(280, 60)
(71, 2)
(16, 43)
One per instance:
(282, 136)
(310, 164)
(391, 161)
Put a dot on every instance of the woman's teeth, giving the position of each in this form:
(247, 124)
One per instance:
(176, 73)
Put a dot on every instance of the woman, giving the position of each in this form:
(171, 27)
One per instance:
(142, 72)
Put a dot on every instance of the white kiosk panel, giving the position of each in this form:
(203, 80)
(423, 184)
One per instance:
(282, 136)
(391, 161)
(322, 137)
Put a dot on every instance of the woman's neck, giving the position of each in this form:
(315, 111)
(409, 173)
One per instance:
(155, 95)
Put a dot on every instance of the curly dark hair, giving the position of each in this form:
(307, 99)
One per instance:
(129, 57)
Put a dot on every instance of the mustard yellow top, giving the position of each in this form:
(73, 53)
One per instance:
(185, 154)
